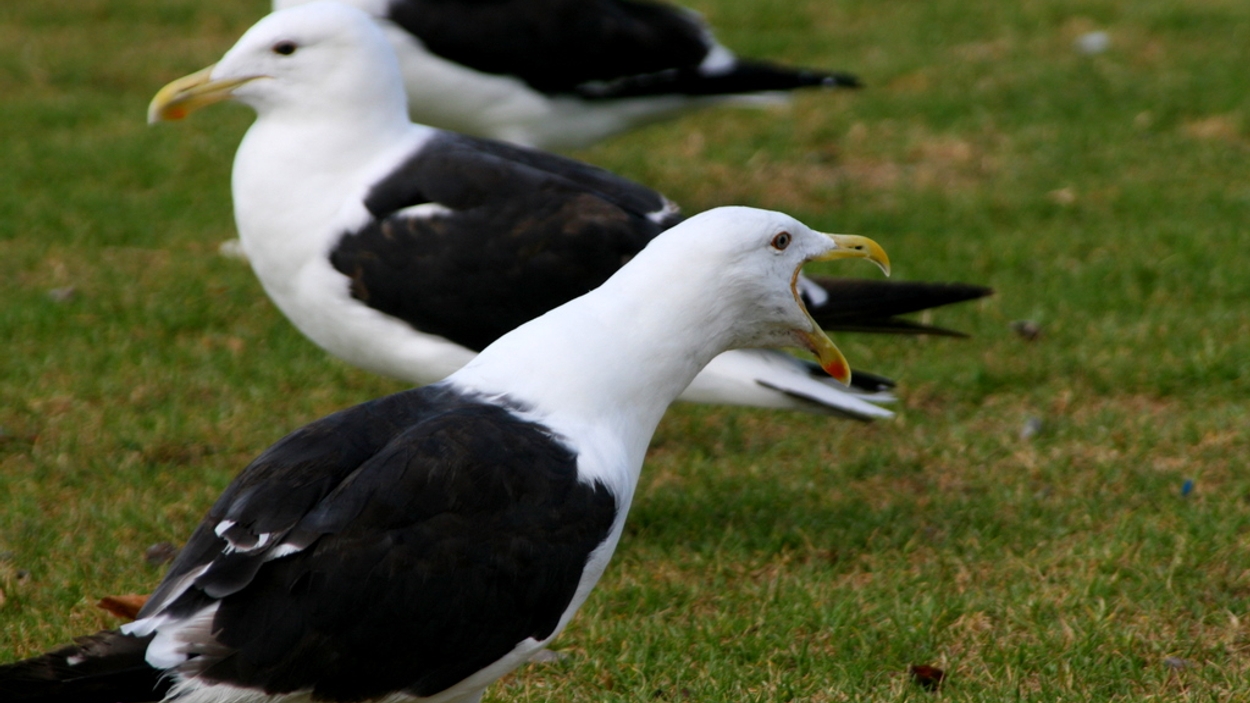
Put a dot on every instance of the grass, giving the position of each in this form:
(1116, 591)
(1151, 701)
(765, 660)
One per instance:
(769, 556)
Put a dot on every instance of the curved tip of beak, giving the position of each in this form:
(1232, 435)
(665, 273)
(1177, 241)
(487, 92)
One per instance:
(190, 93)
(853, 246)
(828, 354)
(176, 100)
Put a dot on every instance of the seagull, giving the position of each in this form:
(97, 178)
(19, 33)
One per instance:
(404, 249)
(420, 546)
(564, 74)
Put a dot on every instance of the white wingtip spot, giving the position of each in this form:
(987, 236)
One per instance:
(718, 60)
(222, 527)
(425, 211)
(282, 550)
(669, 209)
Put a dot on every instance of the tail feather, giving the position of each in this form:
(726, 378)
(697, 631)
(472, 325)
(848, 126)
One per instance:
(742, 78)
(107, 667)
(867, 305)
(864, 381)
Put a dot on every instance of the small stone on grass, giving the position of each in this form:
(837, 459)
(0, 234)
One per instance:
(1177, 663)
(1092, 43)
(1027, 329)
(1032, 427)
(61, 295)
(232, 249)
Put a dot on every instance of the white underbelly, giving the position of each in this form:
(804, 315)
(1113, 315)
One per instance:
(320, 305)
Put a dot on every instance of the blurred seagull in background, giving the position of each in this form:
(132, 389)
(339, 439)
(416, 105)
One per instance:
(405, 249)
(564, 74)
(422, 545)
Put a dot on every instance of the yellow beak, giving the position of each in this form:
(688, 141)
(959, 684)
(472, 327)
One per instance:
(190, 93)
(853, 246)
(849, 246)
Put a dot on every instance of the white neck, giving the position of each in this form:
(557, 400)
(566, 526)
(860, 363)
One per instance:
(293, 175)
(613, 360)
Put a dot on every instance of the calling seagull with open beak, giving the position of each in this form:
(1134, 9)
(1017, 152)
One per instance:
(418, 547)
(846, 246)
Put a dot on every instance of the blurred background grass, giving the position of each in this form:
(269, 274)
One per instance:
(769, 556)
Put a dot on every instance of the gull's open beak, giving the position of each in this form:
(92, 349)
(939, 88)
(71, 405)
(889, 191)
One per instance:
(190, 93)
(848, 246)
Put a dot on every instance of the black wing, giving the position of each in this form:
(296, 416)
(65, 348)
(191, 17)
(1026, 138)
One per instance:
(596, 49)
(556, 45)
(527, 231)
(434, 533)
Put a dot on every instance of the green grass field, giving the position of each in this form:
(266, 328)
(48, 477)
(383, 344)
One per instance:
(769, 556)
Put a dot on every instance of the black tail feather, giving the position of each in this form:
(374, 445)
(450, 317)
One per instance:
(868, 381)
(867, 305)
(107, 667)
(744, 78)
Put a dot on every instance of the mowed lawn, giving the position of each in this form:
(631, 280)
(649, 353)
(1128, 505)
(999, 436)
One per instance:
(769, 556)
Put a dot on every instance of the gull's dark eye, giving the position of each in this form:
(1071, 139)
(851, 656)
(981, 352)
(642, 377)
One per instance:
(781, 241)
(286, 48)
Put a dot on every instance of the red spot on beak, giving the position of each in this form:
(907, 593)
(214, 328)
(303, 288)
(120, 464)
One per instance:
(839, 371)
